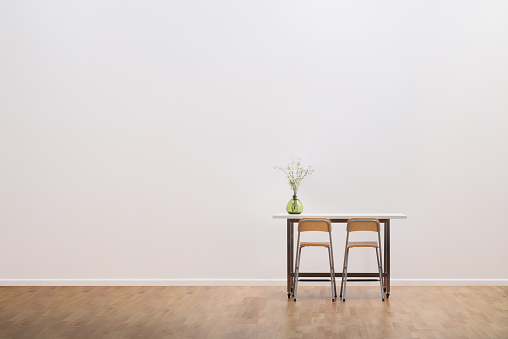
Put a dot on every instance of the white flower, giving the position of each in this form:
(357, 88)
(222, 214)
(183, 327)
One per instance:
(295, 173)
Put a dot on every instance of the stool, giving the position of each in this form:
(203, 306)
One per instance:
(362, 225)
(315, 225)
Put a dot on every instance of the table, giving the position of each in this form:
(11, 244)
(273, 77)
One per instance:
(384, 218)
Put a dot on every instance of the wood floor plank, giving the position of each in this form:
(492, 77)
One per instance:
(251, 312)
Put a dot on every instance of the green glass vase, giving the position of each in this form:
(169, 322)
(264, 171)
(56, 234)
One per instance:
(294, 206)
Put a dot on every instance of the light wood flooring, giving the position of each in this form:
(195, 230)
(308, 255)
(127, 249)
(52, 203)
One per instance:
(252, 312)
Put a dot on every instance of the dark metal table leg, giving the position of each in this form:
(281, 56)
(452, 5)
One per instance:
(290, 254)
(384, 255)
(387, 257)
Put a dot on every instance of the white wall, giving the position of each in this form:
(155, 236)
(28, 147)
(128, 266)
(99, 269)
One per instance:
(138, 139)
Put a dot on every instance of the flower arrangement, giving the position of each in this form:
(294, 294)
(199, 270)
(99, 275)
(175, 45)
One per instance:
(295, 173)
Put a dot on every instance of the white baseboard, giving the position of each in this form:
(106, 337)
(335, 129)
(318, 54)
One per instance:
(142, 282)
(449, 282)
(235, 282)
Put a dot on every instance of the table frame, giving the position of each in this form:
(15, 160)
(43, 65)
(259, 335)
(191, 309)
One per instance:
(291, 222)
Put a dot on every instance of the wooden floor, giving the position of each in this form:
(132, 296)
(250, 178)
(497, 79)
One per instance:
(252, 312)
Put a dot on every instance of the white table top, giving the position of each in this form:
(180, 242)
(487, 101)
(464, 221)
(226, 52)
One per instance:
(340, 215)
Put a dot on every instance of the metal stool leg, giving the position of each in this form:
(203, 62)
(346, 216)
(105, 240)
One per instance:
(343, 268)
(380, 275)
(297, 271)
(345, 274)
(331, 274)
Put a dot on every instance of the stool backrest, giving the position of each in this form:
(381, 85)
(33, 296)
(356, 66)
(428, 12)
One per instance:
(319, 225)
(368, 225)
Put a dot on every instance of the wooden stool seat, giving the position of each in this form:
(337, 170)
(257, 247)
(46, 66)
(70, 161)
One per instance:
(362, 244)
(323, 244)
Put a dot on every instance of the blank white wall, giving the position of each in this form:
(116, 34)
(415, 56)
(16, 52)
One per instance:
(138, 139)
